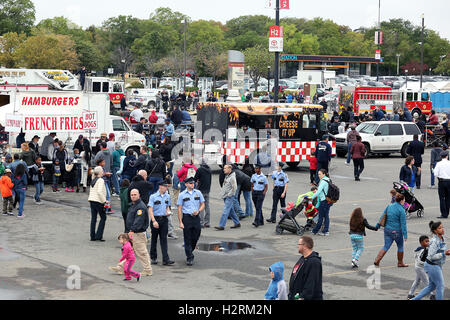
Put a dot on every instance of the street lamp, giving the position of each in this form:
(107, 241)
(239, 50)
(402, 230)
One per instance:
(442, 57)
(268, 79)
(406, 75)
(421, 52)
(398, 63)
(123, 74)
(185, 32)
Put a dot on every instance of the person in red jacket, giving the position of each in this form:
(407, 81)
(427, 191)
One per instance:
(6, 187)
(358, 152)
(153, 117)
(188, 170)
(312, 168)
(128, 256)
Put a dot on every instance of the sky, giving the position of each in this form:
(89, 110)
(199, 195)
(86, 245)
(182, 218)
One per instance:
(352, 13)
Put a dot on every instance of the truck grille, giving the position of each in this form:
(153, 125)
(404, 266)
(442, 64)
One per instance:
(342, 140)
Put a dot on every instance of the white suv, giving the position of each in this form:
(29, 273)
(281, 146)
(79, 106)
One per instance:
(383, 137)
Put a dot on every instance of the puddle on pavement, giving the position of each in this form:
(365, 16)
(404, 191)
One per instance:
(223, 246)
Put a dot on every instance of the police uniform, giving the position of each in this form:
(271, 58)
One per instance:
(138, 222)
(159, 203)
(279, 182)
(259, 183)
(190, 202)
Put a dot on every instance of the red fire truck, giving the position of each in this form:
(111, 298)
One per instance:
(364, 99)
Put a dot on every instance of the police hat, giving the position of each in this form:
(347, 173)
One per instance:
(166, 182)
(190, 180)
(257, 166)
(444, 154)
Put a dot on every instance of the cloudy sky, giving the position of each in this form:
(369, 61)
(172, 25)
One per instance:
(353, 13)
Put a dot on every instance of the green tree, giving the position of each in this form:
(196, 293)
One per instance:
(257, 59)
(257, 23)
(444, 66)
(16, 16)
(48, 51)
(9, 43)
(297, 42)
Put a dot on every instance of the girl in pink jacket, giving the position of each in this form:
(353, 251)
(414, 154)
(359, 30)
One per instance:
(128, 256)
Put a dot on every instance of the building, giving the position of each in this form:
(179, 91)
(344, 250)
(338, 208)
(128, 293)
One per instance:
(350, 66)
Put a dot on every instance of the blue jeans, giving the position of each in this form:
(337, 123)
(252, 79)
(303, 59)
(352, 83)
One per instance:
(393, 235)
(237, 207)
(435, 281)
(248, 204)
(115, 180)
(22, 194)
(176, 182)
(349, 156)
(182, 186)
(170, 170)
(39, 189)
(55, 182)
(155, 181)
(228, 210)
(432, 174)
(324, 215)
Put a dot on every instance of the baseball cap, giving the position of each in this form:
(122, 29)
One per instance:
(111, 135)
(104, 134)
(444, 154)
(189, 180)
(8, 171)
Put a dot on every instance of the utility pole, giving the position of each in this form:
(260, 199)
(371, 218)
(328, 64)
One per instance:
(268, 79)
(185, 32)
(421, 51)
(379, 29)
(398, 63)
(277, 56)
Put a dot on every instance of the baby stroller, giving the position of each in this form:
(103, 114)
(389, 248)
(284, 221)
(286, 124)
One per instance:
(411, 202)
(289, 223)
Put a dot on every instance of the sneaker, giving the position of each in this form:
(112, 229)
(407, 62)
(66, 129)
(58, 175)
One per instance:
(325, 234)
(5, 214)
(355, 263)
(172, 236)
(67, 189)
(72, 190)
(21, 216)
(146, 273)
(432, 297)
(410, 296)
(117, 270)
(346, 163)
(10, 214)
(432, 187)
(38, 202)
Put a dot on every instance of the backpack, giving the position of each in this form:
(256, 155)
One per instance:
(332, 195)
(190, 173)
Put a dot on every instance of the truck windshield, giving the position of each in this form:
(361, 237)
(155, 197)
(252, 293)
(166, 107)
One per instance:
(368, 128)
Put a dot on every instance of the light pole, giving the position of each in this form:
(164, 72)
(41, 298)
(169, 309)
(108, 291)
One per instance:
(277, 56)
(421, 52)
(185, 32)
(398, 63)
(442, 57)
(268, 79)
(406, 75)
(379, 29)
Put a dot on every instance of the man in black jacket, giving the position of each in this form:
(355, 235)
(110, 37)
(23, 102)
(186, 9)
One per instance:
(140, 183)
(242, 181)
(156, 170)
(203, 179)
(306, 277)
(142, 159)
(177, 116)
(416, 149)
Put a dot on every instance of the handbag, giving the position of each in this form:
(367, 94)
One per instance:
(69, 167)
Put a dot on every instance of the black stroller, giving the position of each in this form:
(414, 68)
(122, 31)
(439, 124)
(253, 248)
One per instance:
(289, 223)
(411, 202)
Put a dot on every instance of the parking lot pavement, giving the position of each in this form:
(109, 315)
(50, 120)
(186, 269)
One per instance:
(41, 254)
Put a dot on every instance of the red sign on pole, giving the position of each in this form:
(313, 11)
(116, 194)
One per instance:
(284, 4)
(276, 32)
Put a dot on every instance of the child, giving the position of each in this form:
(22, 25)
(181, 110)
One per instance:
(56, 175)
(277, 289)
(6, 187)
(128, 256)
(358, 224)
(420, 255)
(124, 205)
(37, 177)
(312, 168)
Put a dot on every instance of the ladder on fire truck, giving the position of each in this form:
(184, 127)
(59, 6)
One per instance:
(56, 79)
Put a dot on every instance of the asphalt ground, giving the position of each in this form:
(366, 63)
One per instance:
(36, 252)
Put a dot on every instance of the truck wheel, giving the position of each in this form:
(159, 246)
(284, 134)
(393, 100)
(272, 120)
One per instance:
(403, 151)
(151, 104)
(366, 145)
(136, 151)
(416, 111)
(292, 164)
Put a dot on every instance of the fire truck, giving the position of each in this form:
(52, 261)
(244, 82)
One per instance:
(364, 99)
(63, 80)
(299, 128)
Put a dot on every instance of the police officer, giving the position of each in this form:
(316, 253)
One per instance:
(280, 185)
(259, 190)
(442, 172)
(190, 203)
(136, 225)
(159, 210)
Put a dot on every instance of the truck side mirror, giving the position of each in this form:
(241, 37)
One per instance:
(378, 133)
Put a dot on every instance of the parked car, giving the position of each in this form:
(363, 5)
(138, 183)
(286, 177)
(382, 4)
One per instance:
(381, 137)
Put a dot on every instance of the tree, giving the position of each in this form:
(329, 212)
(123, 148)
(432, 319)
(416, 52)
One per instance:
(444, 66)
(9, 43)
(298, 42)
(48, 51)
(413, 67)
(16, 16)
(257, 59)
(211, 61)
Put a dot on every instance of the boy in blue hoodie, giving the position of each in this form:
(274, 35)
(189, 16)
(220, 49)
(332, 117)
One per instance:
(277, 288)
